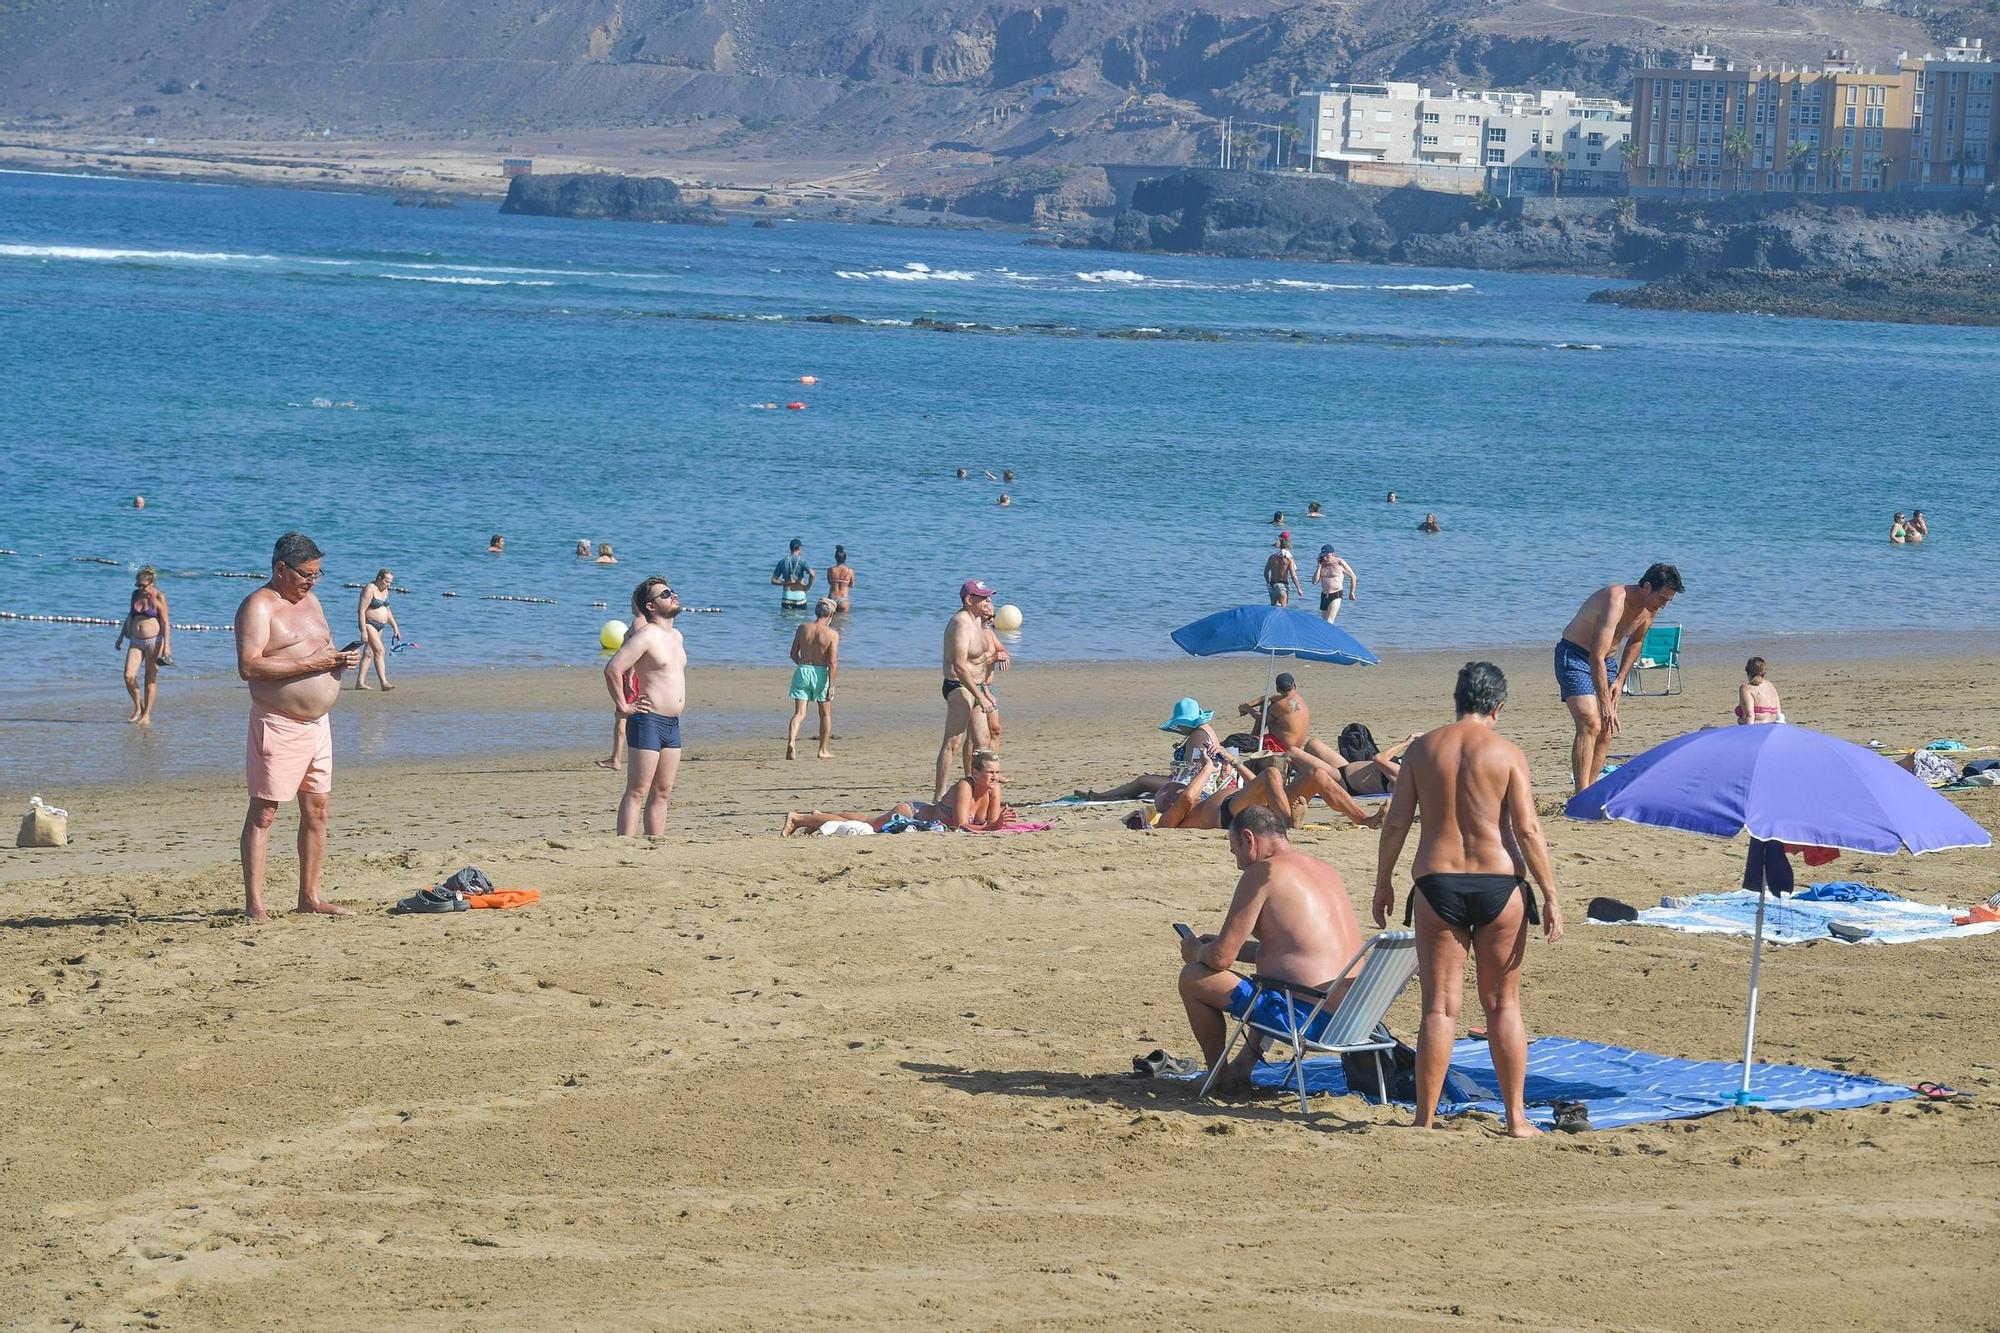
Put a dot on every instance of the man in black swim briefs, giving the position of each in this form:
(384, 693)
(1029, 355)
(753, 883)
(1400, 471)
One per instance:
(968, 701)
(1481, 839)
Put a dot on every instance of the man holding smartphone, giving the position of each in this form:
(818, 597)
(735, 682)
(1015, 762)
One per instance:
(1290, 919)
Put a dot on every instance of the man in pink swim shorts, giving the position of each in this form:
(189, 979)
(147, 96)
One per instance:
(285, 651)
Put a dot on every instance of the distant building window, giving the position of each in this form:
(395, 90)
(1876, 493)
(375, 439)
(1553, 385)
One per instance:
(1496, 135)
(1430, 141)
(1430, 117)
(1496, 156)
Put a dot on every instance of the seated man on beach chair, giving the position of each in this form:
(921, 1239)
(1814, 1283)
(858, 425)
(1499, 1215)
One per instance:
(972, 804)
(1290, 918)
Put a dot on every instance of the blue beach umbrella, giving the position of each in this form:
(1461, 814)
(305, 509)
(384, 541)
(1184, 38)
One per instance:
(1275, 631)
(1780, 784)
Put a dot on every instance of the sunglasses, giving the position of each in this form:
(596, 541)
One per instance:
(664, 592)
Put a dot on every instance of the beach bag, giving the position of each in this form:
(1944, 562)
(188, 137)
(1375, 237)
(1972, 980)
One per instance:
(1357, 743)
(1364, 1078)
(467, 883)
(43, 826)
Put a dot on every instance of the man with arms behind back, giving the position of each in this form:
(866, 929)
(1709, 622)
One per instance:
(1480, 839)
(1290, 919)
(285, 651)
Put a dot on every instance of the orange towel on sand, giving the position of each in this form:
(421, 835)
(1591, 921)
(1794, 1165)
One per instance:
(505, 898)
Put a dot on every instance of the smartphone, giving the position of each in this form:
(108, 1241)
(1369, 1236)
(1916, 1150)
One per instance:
(1182, 929)
(352, 646)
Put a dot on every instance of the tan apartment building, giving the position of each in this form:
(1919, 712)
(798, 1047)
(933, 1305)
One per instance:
(1929, 123)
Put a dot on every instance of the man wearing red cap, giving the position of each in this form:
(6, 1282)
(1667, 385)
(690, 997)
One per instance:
(1280, 570)
(968, 661)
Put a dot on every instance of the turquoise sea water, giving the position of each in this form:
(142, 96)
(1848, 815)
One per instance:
(553, 380)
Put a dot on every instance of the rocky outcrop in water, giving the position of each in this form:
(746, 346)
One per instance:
(1926, 296)
(617, 198)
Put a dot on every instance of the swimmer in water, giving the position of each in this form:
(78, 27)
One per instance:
(1007, 474)
(583, 548)
(1314, 511)
(139, 502)
(1430, 524)
(1005, 501)
(1392, 497)
(963, 474)
(498, 546)
(604, 556)
(840, 580)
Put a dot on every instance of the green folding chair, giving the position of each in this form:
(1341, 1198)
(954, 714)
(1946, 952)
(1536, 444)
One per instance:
(1660, 652)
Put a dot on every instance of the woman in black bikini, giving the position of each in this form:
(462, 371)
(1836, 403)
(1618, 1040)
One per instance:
(149, 633)
(377, 617)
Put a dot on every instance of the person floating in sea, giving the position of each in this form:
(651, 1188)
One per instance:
(1917, 529)
(285, 651)
(1337, 582)
(604, 555)
(583, 548)
(498, 546)
(1005, 501)
(1430, 524)
(1007, 474)
(147, 636)
(1757, 698)
(1481, 838)
(794, 575)
(968, 700)
(1899, 531)
(840, 580)
(657, 658)
(1313, 510)
(963, 474)
(1392, 497)
(1589, 670)
(1278, 519)
(1281, 569)
(816, 661)
(376, 617)
(138, 502)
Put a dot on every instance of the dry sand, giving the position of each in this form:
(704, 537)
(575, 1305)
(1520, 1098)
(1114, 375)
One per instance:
(724, 1080)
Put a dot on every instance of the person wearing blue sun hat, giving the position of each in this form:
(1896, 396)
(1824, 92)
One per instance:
(1189, 721)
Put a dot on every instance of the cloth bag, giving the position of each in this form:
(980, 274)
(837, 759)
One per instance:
(43, 826)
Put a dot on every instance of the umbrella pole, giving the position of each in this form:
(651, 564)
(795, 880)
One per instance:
(1264, 712)
(1743, 1094)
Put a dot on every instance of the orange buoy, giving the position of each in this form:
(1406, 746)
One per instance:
(795, 407)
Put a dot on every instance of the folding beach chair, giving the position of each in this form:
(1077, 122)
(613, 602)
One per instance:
(1660, 652)
(1386, 963)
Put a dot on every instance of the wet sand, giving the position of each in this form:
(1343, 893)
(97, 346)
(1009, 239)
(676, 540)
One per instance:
(727, 1080)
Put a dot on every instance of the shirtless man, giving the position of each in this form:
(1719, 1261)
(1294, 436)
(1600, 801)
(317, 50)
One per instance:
(973, 804)
(816, 661)
(968, 702)
(840, 580)
(1480, 840)
(285, 651)
(656, 657)
(1337, 582)
(1280, 569)
(1589, 670)
(1288, 730)
(794, 575)
(1290, 919)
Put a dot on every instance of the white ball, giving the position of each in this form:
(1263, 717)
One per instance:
(611, 635)
(1007, 617)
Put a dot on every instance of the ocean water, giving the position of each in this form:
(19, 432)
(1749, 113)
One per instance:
(402, 383)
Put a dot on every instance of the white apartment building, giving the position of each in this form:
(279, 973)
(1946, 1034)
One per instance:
(1511, 139)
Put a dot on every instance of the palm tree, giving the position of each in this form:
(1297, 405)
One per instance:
(1882, 165)
(1557, 163)
(1736, 146)
(1684, 159)
(1798, 154)
(1632, 151)
(1836, 158)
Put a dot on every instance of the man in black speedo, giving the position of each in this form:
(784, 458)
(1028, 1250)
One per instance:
(1480, 840)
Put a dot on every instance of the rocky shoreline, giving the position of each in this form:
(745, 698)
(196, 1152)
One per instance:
(1928, 296)
(608, 197)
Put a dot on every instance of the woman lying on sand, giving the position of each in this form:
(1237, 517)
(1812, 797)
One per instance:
(972, 804)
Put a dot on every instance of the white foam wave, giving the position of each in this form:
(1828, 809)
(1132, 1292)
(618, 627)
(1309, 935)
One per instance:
(911, 272)
(103, 254)
(1113, 275)
(1425, 287)
(1300, 284)
(463, 282)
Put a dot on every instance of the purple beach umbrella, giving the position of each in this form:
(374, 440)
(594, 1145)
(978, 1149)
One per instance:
(1780, 784)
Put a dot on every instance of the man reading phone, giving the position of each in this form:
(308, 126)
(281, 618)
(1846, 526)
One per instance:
(1290, 919)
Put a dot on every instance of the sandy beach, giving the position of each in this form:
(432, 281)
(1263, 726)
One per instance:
(725, 1080)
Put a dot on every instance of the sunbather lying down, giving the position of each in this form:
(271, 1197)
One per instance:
(970, 803)
(1181, 804)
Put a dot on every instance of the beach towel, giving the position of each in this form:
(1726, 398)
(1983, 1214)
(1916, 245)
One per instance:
(1077, 803)
(1845, 891)
(1888, 919)
(846, 828)
(504, 898)
(1015, 826)
(1619, 1085)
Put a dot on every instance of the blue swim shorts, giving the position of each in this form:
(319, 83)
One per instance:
(1573, 670)
(1270, 1010)
(652, 731)
(810, 684)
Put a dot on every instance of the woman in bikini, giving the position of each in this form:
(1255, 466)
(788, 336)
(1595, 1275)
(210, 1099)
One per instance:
(1757, 697)
(377, 618)
(840, 580)
(146, 634)
(1181, 804)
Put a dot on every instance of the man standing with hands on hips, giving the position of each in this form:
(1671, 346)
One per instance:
(285, 651)
(656, 657)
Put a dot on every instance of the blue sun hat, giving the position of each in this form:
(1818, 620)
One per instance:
(1188, 714)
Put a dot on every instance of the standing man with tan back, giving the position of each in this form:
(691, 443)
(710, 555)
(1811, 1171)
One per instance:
(1481, 839)
(1590, 670)
(285, 651)
(968, 702)
(815, 663)
(655, 655)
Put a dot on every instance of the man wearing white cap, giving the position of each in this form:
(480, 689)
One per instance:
(968, 701)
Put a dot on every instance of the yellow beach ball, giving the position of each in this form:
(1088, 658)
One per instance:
(611, 635)
(1007, 618)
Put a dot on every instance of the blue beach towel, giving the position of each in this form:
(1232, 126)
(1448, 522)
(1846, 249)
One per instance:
(1623, 1086)
(1845, 891)
(1799, 918)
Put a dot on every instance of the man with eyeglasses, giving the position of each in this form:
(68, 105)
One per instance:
(656, 657)
(968, 699)
(285, 651)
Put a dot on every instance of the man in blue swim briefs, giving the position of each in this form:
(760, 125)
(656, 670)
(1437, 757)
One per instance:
(656, 657)
(1480, 841)
(794, 575)
(1290, 919)
(1589, 669)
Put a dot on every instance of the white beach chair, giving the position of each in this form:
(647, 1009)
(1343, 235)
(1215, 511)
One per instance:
(1386, 963)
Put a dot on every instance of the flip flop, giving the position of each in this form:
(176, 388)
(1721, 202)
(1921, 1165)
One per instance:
(1572, 1117)
(1937, 1092)
(1159, 1064)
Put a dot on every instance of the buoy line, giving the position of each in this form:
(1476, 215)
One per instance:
(99, 620)
(510, 597)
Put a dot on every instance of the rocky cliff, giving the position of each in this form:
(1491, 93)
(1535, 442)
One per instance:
(617, 198)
